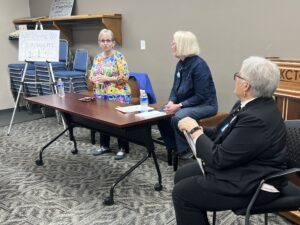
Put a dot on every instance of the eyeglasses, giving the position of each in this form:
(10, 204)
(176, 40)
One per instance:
(237, 74)
(103, 41)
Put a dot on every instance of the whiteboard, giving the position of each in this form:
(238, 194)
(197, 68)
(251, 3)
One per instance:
(39, 45)
(60, 8)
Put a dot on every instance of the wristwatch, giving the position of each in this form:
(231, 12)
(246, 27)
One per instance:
(194, 129)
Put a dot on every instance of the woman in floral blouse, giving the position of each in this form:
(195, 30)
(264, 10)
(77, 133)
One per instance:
(110, 75)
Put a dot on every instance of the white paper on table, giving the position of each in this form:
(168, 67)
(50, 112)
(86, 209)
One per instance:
(193, 147)
(131, 108)
(150, 114)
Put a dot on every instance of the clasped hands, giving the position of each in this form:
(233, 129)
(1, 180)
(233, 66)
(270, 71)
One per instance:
(187, 124)
(100, 79)
(171, 107)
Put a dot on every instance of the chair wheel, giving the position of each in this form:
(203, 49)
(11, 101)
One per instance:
(74, 152)
(39, 162)
(158, 187)
(108, 201)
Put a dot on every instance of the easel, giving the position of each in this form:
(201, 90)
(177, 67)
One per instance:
(23, 82)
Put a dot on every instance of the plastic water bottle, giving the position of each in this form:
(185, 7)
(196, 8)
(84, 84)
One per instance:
(60, 88)
(98, 92)
(143, 101)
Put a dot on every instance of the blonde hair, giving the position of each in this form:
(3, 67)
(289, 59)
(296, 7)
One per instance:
(186, 44)
(106, 31)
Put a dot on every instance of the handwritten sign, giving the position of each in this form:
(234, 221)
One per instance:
(60, 8)
(39, 45)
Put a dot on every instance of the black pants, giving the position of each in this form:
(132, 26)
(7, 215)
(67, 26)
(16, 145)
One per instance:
(105, 139)
(191, 200)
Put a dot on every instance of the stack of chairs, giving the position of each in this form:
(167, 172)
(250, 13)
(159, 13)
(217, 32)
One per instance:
(75, 79)
(40, 75)
(37, 72)
(42, 69)
(16, 72)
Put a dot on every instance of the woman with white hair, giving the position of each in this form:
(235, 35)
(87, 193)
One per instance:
(110, 70)
(243, 149)
(193, 93)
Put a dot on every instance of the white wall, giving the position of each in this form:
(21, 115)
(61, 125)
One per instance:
(228, 32)
(9, 10)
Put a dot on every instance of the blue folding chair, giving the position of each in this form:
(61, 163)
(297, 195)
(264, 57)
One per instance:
(75, 80)
(15, 73)
(64, 52)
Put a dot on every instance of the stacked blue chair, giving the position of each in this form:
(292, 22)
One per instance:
(16, 73)
(75, 80)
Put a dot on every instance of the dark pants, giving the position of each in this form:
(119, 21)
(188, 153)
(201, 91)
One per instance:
(192, 199)
(105, 139)
(172, 136)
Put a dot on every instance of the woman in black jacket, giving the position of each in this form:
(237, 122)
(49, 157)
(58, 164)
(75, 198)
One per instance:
(246, 147)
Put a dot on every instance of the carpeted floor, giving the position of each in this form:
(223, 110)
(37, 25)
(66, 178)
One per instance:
(69, 189)
(21, 115)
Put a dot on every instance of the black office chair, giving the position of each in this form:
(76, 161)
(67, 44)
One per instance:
(290, 195)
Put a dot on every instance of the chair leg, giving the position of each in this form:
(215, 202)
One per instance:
(214, 217)
(247, 220)
(93, 139)
(266, 218)
(175, 160)
(169, 152)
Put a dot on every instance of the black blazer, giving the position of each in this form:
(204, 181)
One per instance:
(252, 147)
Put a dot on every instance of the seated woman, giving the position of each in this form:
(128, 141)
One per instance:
(110, 70)
(193, 93)
(243, 149)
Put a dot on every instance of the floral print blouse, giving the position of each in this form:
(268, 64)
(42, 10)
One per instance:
(112, 66)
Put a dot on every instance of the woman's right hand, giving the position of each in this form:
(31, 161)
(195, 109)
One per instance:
(186, 124)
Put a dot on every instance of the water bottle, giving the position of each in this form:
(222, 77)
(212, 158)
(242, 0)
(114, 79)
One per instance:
(98, 92)
(143, 101)
(60, 88)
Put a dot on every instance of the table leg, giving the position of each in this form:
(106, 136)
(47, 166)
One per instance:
(141, 134)
(72, 138)
(39, 161)
(110, 199)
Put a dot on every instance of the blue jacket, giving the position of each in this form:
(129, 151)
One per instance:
(145, 84)
(193, 83)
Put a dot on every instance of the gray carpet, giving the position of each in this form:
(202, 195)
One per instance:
(69, 189)
(21, 115)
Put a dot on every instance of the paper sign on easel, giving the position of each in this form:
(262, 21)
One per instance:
(39, 45)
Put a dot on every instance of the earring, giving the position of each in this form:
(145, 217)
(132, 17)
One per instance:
(244, 94)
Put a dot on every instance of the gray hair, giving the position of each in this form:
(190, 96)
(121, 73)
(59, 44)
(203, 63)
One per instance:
(106, 31)
(262, 75)
(186, 44)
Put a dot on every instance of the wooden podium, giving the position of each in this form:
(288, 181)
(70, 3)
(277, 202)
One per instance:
(287, 94)
(287, 97)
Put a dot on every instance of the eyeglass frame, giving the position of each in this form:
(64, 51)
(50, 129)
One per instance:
(237, 74)
(106, 41)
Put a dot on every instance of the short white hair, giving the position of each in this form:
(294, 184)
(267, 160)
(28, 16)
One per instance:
(106, 31)
(262, 75)
(186, 44)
